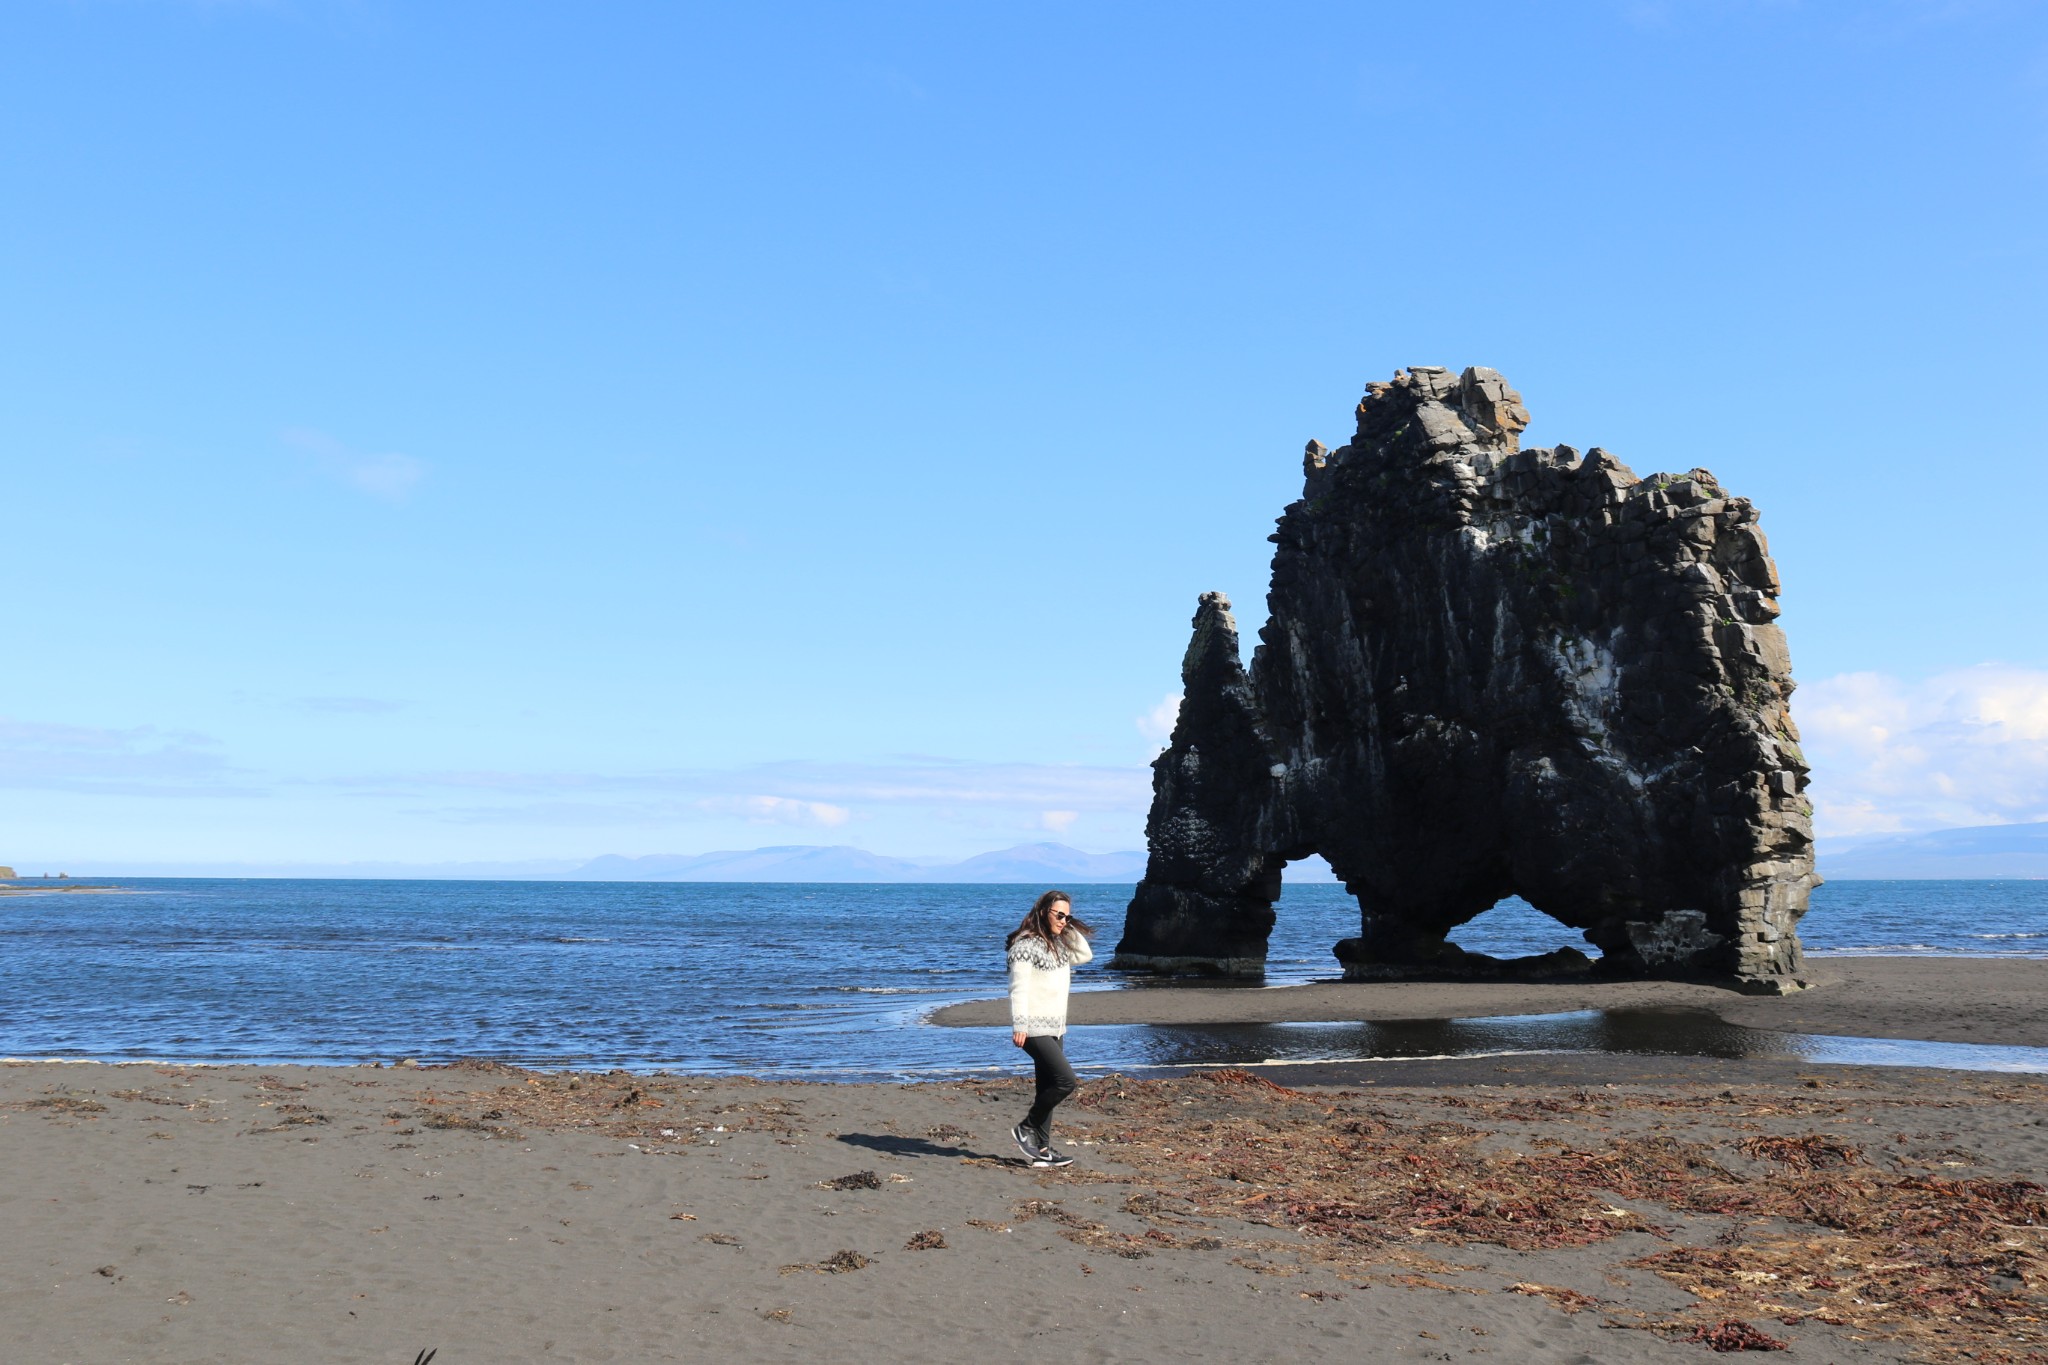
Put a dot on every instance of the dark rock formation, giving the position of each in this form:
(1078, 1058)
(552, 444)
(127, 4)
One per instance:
(1491, 672)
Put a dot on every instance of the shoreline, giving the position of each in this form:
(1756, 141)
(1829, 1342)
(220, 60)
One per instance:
(1993, 1002)
(1940, 1000)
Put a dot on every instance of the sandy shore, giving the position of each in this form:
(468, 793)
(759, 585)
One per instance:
(1947, 1000)
(159, 1213)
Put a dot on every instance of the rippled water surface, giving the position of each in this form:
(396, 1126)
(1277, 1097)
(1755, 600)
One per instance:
(812, 980)
(1642, 1033)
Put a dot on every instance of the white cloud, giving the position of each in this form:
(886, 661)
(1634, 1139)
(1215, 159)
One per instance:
(778, 810)
(903, 781)
(1157, 724)
(1968, 747)
(143, 761)
(1058, 821)
(388, 476)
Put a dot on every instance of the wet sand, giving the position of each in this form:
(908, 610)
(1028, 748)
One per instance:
(1949, 1000)
(1524, 1209)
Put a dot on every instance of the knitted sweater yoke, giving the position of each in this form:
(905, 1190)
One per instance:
(1039, 976)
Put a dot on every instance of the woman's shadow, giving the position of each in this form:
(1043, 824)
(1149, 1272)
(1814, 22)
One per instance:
(895, 1145)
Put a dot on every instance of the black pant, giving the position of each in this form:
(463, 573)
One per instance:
(1056, 1081)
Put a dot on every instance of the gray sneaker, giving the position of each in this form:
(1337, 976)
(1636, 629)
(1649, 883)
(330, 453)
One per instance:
(1051, 1160)
(1028, 1143)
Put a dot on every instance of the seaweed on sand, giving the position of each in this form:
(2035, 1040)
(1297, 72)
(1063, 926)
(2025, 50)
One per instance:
(1953, 1267)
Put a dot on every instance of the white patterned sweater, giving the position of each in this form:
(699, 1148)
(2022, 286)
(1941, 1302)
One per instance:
(1039, 973)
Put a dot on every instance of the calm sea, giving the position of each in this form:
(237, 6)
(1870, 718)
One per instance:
(823, 981)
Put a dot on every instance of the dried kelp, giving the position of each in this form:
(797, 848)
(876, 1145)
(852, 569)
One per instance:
(617, 1104)
(1955, 1267)
(1733, 1334)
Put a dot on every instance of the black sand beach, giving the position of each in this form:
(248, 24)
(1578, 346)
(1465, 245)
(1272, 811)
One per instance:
(1577, 1208)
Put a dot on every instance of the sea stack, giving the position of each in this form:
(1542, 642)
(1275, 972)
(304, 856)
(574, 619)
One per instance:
(1488, 672)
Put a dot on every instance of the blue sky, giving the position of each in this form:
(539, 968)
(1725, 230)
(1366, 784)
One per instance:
(506, 430)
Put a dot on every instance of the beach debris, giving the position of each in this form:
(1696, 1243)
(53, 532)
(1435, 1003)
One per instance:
(1083, 1231)
(931, 1239)
(859, 1180)
(285, 1117)
(1235, 1075)
(1051, 1209)
(63, 1104)
(146, 1097)
(722, 1239)
(1259, 1266)
(1808, 1152)
(280, 1083)
(838, 1263)
(489, 1123)
(1570, 1300)
(1429, 1282)
(1733, 1334)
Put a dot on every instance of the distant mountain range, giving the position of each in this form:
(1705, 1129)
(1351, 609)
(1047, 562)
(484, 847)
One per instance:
(1982, 852)
(1978, 853)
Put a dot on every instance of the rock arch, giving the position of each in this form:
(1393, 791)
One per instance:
(1487, 672)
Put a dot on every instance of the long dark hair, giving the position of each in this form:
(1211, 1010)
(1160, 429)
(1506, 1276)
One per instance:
(1038, 919)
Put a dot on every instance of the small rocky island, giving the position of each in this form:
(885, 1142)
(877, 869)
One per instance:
(1490, 672)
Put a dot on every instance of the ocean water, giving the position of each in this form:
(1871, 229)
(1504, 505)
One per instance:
(821, 981)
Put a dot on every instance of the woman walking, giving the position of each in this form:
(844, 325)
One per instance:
(1041, 951)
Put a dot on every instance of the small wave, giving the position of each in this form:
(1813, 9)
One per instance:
(1354, 1059)
(362, 949)
(1888, 948)
(1984, 953)
(571, 938)
(882, 990)
(2005, 936)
